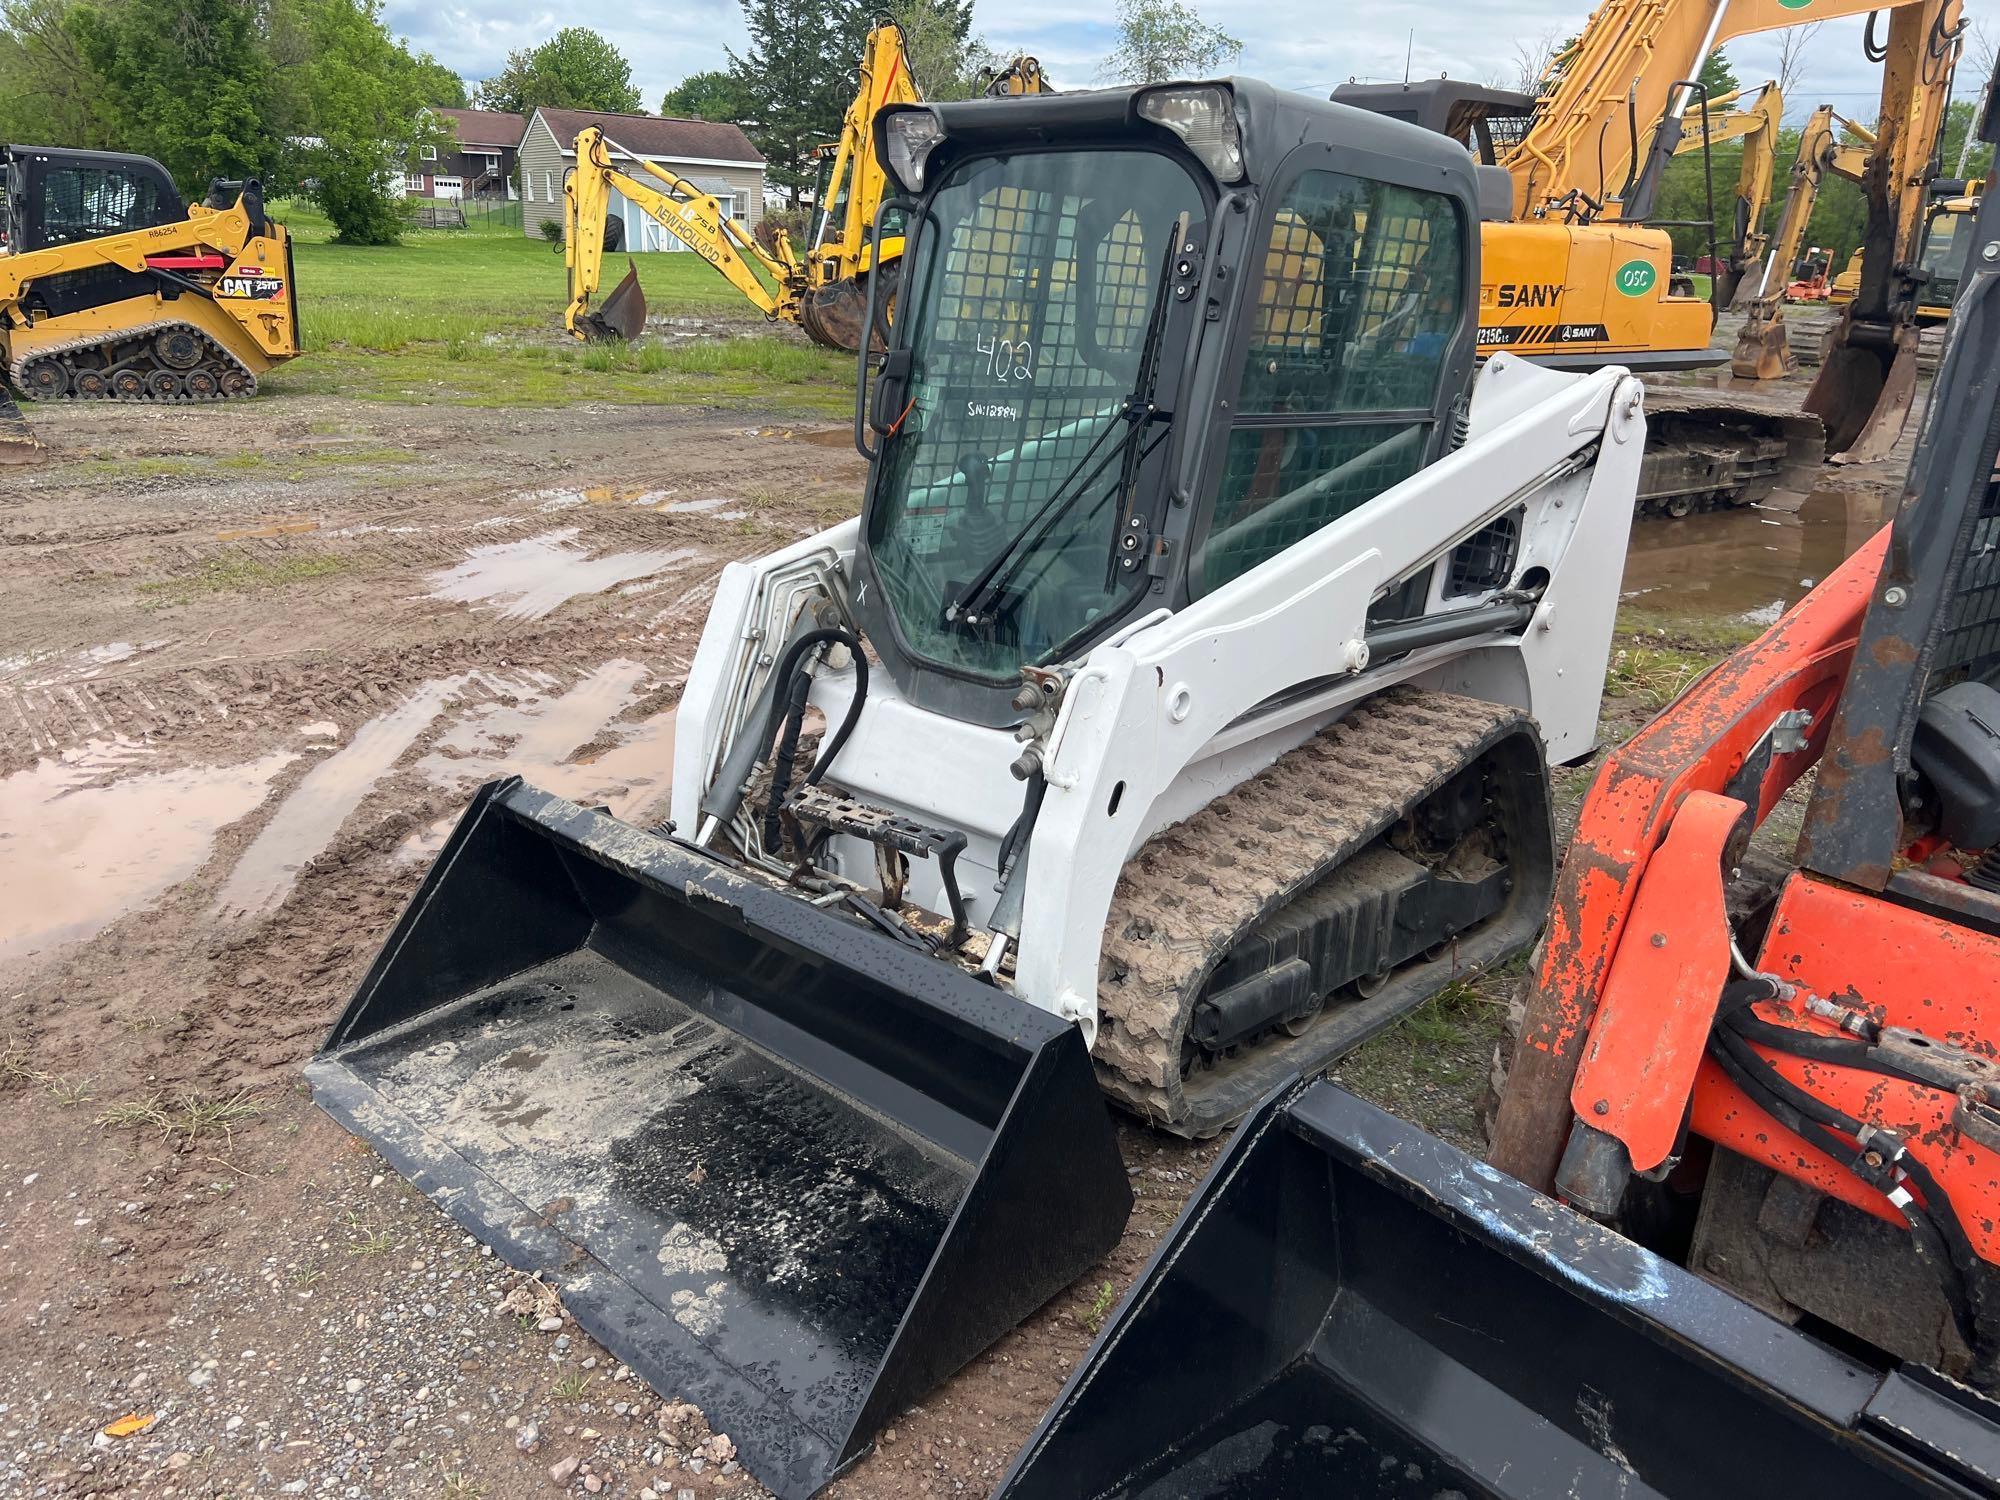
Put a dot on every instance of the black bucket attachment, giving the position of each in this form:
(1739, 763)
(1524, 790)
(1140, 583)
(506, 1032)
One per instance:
(783, 1166)
(1351, 1307)
(621, 317)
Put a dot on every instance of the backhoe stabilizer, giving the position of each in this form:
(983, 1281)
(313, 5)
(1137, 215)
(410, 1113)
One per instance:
(1373, 1312)
(783, 1166)
(18, 443)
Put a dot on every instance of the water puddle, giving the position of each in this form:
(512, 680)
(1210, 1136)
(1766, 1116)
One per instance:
(639, 497)
(825, 437)
(536, 576)
(308, 820)
(1748, 565)
(570, 743)
(86, 839)
(41, 669)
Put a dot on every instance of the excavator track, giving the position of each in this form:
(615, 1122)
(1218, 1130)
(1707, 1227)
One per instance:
(1713, 452)
(168, 361)
(1321, 822)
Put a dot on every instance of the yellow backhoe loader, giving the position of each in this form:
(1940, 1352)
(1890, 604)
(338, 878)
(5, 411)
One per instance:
(823, 289)
(111, 289)
(1763, 349)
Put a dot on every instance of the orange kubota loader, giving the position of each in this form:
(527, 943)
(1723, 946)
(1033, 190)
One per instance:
(1768, 1090)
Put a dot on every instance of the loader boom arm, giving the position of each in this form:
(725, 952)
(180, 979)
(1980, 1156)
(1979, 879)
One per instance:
(228, 231)
(770, 281)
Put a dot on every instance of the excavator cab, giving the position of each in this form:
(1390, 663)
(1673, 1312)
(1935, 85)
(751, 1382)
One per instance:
(794, 1095)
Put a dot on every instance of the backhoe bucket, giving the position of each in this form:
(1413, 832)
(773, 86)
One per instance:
(1351, 1307)
(782, 1165)
(18, 443)
(621, 317)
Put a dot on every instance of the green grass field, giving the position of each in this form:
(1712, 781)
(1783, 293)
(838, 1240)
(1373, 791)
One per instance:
(474, 317)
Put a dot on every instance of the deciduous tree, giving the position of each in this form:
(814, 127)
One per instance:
(574, 69)
(705, 96)
(1163, 39)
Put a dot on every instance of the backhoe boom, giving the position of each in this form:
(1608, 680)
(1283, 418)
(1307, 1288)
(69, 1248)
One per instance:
(693, 217)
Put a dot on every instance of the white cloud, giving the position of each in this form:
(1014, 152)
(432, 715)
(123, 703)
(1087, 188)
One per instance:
(1301, 44)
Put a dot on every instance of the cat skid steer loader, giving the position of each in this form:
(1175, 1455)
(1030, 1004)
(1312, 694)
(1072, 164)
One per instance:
(1176, 714)
(111, 289)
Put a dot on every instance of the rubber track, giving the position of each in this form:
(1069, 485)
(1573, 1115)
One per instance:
(1194, 888)
(147, 331)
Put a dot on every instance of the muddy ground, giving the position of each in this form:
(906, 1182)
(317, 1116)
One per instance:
(252, 660)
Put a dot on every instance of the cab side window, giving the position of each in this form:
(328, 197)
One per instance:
(88, 203)
(1361, 299)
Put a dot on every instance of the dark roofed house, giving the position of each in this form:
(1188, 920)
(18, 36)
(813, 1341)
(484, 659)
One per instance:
(480, 165)
(718, 159)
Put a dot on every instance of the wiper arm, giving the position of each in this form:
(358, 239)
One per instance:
(977, 592)
(1136, 411)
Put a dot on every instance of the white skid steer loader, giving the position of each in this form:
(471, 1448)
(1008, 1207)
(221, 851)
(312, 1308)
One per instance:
(1179, 709)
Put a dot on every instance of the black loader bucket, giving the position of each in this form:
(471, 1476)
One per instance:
(783, 1166)
(1352, 1308)
(621, 317)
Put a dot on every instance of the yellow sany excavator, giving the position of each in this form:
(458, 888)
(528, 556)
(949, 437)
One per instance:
(1578, 274)
(1763, 349)
(112, 289)
(824, 289)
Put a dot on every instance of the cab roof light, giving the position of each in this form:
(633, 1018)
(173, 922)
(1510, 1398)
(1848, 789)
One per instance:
(1204, 116)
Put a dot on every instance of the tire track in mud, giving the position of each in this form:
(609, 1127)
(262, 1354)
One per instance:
(377, 633)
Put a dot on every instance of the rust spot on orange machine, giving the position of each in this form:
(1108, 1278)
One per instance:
(1698, 743)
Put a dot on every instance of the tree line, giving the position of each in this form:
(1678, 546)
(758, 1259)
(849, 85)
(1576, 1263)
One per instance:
(306, 95)
(791, 84)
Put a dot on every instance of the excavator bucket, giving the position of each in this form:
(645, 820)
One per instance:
(18, 443)
(621, 317)
(784, 1166)
(1763, 352)
(1864, 391)
(1349, 1306)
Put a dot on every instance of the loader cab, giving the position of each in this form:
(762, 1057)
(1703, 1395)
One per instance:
(56, 197)
(1488, 122)
(1146, 340)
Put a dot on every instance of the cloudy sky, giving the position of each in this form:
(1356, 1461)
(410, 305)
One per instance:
(1303, 44)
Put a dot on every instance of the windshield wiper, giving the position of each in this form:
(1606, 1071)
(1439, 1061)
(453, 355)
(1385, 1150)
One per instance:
(1137, 412)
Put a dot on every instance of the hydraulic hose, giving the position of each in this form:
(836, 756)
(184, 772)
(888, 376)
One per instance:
(790, 702)
(1935, 1228)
